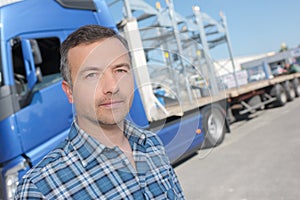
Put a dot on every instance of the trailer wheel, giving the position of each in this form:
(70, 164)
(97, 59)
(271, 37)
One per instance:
(296, 86)
(289, 89)
(213, 125)
(280, 95)
(257, 99)
(238, 116)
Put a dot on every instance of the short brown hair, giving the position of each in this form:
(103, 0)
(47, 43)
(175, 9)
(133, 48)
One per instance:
(84, 35)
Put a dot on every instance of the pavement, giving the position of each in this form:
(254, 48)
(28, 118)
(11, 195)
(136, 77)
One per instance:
(258, 160)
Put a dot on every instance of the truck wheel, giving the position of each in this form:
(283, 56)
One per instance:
(213, 125)
(289, 89)
(255, 100)
(296, 86)
(280, 95)
(238, 116)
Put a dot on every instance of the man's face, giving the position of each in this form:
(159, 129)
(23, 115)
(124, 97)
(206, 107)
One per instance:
(102, 82)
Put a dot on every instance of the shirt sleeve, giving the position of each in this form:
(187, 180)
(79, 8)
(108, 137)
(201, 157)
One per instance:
(177, 186)
(173, 175)
(175, 181)
(28, 190)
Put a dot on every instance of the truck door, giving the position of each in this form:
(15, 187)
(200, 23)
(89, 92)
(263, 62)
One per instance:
(45, 113)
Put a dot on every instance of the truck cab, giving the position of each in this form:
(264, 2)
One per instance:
(35, 114)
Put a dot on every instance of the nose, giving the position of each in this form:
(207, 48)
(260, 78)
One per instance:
(108, 83)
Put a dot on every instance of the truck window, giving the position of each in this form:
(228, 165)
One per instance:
(46, 55)
(1, 73)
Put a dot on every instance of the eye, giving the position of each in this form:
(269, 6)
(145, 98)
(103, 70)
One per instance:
(122, 69)
(91, 75)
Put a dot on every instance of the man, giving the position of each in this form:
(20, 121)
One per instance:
(292, 67)
(104, 156)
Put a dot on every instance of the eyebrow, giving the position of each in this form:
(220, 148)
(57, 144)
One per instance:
(98, 69)
(121, 65)
(89, 68)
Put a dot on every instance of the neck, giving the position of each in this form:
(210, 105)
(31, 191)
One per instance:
(109, 135)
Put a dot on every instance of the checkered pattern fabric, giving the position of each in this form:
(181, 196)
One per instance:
(83, 168)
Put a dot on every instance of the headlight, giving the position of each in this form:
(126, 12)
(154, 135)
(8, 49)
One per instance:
(12, 179)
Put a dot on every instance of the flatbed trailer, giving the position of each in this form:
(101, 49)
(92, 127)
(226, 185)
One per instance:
(233, 93)
(178, 61)
(240, 100)
(276, 91)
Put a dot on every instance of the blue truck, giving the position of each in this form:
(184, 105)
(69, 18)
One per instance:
(35, 115)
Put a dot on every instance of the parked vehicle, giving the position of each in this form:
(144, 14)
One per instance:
(35, 115)
(177, 92)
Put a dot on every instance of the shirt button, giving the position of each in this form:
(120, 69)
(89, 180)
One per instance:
(143, 139)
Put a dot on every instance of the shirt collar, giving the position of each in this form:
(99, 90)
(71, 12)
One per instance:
(89, 148)
(134, 134)
(86, 146)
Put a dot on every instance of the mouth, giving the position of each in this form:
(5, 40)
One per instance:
(112, 104)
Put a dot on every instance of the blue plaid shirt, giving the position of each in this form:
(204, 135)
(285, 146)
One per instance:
(83, 168)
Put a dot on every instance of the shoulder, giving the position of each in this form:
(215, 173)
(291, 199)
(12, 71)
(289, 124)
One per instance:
(150, 137)
(153, 139)
(27, 183)
(151, 142)
(53, 156)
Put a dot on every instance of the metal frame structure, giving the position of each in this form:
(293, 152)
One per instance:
(172, 52)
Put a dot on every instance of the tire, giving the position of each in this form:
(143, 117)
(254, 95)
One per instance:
(257, 99)
(280, 95)
(296, 86)
(289, 90)
(238, 116)
(213, 125)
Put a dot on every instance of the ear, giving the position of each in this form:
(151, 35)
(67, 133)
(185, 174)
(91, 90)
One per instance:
(67, 89)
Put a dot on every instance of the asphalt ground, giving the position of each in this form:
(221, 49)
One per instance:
(258, 160)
